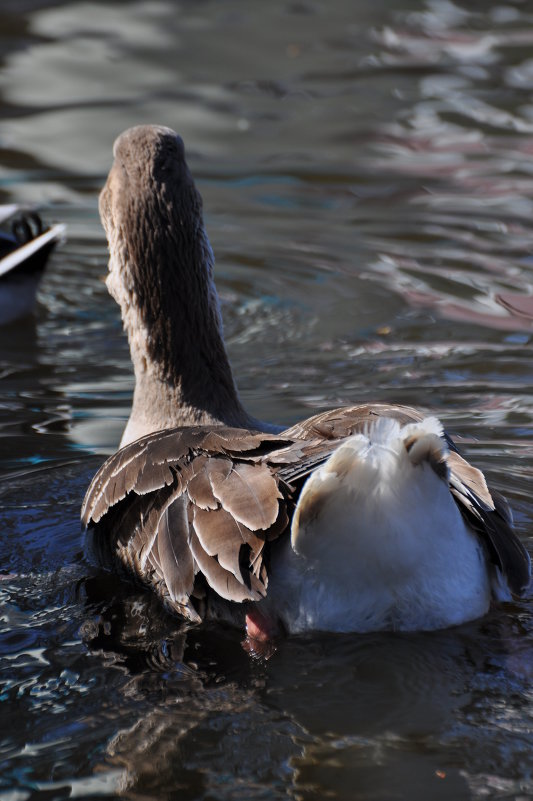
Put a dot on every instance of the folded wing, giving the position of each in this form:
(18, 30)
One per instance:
(185, 510)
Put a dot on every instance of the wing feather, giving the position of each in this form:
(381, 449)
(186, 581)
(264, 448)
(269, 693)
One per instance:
(199, 489)
(221, 580)
(174, 553)
(196, 500)
(491, 521)
(221, 535)
(146, 499)
(248, 492)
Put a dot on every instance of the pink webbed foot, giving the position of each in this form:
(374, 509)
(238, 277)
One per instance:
(261, 633)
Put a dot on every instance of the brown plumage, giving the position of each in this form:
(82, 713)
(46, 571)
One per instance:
(217, 502)
(200, 510)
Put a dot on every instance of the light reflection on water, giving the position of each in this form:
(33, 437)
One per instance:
(367, 179)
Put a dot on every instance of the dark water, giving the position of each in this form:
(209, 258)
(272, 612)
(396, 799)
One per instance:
(367, 174)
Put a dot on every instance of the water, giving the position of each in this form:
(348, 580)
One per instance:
(367, 174)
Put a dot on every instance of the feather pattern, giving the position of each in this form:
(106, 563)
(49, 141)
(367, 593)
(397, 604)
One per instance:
(174, 554)
(219, 500)
(222, 581)
(208, 508)
(491, 521)
(221, 535)
(248, 492)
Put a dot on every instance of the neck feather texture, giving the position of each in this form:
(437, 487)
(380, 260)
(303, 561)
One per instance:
(161, 275)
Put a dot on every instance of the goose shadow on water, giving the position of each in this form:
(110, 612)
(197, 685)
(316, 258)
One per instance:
(373, 716)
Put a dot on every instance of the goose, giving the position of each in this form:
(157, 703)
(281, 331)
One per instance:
(362, 518)
(24, 251)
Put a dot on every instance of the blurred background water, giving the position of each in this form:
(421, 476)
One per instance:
(367, 175)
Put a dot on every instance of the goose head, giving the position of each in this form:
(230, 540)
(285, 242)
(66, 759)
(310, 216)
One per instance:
(161, 275)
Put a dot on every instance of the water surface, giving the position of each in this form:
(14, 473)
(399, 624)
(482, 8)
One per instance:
(367, 175)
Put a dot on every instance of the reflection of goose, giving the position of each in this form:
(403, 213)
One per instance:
(358, 519)
(24, 251)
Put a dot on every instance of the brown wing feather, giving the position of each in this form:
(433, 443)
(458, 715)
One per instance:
(196, 510)
(141, 467)
(223, 581)
(490, 519)
(323, 432)
(173, 551)
(221, 535)
(249, 492)
(336, 424)
(199, 490)
(195, 500)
